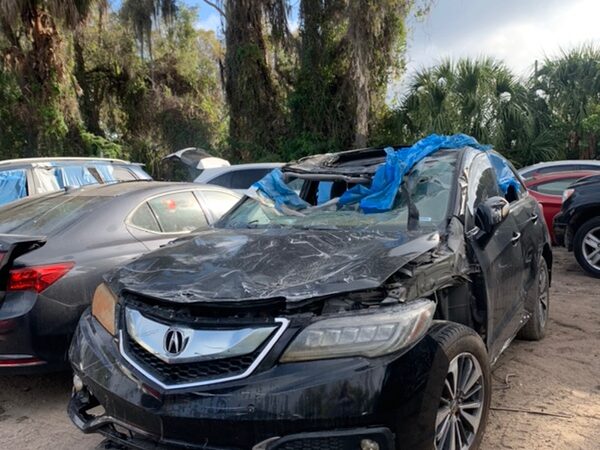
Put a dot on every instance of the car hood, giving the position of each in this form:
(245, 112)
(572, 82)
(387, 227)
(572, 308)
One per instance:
(233, 265)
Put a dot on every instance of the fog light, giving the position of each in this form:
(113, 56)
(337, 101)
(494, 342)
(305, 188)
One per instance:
(77, 383)
(368, 444)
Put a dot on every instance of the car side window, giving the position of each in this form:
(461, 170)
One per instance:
(223, 180)
(123, 174)
(555, 187)
(218, 202)
(178, 212)
(143, 218)
(482, 183)
(243, 179)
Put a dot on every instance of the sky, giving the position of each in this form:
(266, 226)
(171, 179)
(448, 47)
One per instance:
(515, 31)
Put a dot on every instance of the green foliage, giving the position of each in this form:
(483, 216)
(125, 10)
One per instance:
(591, 124)
(142, 82)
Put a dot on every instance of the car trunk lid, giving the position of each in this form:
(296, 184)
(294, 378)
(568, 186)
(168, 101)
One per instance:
(11, 247)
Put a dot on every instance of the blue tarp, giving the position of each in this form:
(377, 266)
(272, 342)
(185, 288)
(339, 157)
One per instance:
(380, 196)
(13, 185)
(74, 176)
(504, 174)
(106, 172)
(274, 187)
(386, 182)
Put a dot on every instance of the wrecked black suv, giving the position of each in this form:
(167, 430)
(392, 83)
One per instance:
(353, 301)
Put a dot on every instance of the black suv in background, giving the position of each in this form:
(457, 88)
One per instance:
(577, 226)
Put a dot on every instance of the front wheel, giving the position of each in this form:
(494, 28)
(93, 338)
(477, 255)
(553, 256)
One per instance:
(466, 392)
(586, 246)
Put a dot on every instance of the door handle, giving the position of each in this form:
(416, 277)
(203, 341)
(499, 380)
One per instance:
(515, 238)
(534, 218)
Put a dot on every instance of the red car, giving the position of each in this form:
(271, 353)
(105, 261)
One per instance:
(548, 190)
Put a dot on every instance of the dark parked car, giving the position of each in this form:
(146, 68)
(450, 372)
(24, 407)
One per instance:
(55, 248)
(548, 191)
(362, 314)
(545, 168)
(20, 178)
(577, 226)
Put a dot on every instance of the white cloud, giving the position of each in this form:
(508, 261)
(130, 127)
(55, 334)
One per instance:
(517, 33)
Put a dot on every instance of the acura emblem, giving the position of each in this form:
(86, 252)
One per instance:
(175, 341)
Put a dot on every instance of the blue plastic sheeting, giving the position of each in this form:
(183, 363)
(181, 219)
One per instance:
(74, 176)
(274, 187)
(106, 171)
(13, 185)
(504, 174)
(386, 181)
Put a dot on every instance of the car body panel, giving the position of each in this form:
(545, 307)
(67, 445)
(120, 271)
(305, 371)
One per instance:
(551, 203)
(559, 166)
(583, 204)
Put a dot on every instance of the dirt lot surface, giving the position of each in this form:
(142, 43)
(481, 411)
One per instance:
(552, 388)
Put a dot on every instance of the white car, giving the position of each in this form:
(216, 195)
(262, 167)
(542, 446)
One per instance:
(238, 177)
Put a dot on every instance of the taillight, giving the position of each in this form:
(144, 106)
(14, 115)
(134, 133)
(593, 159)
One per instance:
(37, 278)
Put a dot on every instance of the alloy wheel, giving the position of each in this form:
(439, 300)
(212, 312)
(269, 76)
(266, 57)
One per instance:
(591, 247)
(461, 406)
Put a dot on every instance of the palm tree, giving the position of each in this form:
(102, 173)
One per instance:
(480, 97)
(571, 85)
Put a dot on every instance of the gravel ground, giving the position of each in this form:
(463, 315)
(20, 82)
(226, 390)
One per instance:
(550, 388)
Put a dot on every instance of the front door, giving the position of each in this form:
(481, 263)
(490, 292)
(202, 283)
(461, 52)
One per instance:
(500, 259)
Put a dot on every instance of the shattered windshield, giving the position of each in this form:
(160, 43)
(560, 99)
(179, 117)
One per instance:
(421, 202)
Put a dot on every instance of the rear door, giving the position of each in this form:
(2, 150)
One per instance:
(499, 258)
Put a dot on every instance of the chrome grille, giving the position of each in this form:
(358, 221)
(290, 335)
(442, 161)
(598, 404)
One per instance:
(197, 370)
(190, 372)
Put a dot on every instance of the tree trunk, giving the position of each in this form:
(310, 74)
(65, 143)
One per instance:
(255, 113)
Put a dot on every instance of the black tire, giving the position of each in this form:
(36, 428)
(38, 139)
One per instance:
(538, 305)
(578, 246)
(458, 341)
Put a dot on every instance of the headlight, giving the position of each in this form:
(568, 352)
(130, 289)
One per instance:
(103, 307)
(367, 334)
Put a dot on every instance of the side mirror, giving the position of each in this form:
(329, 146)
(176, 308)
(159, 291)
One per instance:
(490, 213)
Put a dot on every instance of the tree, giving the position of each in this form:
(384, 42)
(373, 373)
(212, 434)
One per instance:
(142, 14)
(151, 107)
(255, 30)
(480, 97)
(348, 51)
(35, 54)
(571, 86)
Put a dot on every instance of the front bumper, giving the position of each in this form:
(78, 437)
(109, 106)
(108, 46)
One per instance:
(341, 401)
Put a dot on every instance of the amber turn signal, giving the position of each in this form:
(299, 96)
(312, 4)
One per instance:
(103, 307)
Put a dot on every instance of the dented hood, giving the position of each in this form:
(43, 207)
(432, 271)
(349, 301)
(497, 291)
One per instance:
(233, 265)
